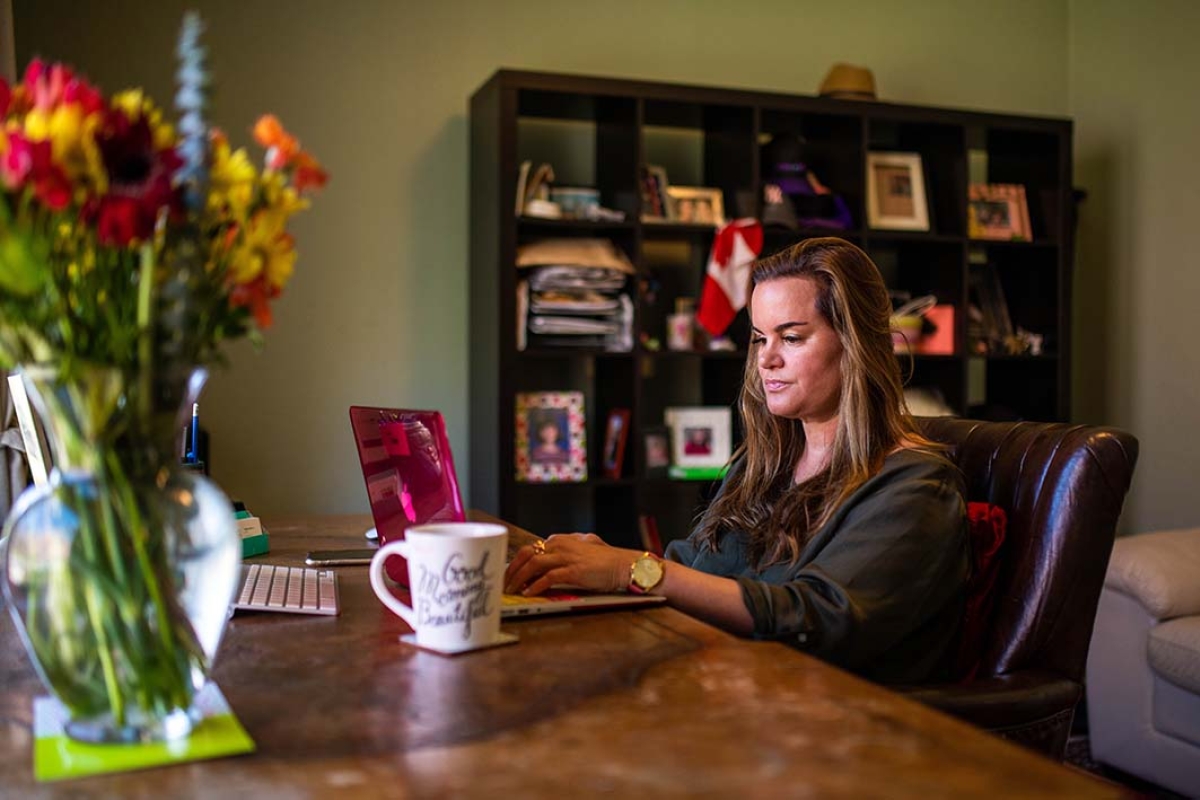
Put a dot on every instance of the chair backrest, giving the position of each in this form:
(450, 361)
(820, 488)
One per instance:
(1062, 487)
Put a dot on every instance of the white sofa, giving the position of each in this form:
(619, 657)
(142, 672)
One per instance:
(1143, 671)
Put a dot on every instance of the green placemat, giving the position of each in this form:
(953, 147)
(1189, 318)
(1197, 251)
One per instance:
(57, 757)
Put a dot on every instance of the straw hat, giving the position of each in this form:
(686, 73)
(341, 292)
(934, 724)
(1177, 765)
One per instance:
(848, 82)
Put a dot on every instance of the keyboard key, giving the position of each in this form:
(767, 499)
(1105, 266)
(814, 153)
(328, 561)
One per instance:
(278, 586)
(295, 581)
(297, 590)
(310, 590)
(327, 590)
(248, 585)
(262, 586)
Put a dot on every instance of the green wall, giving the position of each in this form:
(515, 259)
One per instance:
(378, 309)
(1133, 96)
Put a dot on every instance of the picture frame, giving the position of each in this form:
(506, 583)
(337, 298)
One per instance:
(696, 205)
(656, 450)
(616, 432)
(896, 198)
(700, 440)
(551, 441)
(656, 205)
(998, 212)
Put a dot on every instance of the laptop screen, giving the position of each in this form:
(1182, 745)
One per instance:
(408, 468)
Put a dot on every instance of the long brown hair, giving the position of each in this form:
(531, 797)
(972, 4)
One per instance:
(760, 498)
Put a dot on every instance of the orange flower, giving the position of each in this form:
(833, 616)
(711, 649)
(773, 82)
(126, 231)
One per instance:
(255, 296)
(281, 146)
(308, 173)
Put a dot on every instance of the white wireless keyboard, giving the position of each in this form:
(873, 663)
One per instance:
(293, 590)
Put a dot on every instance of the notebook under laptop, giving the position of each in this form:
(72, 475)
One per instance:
(409, 474)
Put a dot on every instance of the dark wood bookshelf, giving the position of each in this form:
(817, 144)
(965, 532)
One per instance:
(604, 130)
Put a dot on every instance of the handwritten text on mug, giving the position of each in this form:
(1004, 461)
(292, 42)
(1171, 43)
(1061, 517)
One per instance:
(458, 593)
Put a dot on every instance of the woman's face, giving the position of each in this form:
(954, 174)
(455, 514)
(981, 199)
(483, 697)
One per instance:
(798, 351)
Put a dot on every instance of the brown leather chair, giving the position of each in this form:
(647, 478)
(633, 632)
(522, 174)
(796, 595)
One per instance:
(1062, 487)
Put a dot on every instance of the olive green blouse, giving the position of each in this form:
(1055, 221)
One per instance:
(879, 589)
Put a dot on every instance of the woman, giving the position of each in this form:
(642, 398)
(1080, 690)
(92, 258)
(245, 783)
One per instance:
(839, 528)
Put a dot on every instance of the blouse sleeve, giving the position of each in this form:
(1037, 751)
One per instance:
(890, 563)
(692, 553)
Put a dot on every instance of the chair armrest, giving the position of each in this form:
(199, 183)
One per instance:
(1159, 571)
(1003, 701)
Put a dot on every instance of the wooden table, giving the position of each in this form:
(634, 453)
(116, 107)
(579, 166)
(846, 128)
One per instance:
(627, 704)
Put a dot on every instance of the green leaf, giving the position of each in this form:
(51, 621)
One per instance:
(23, 270)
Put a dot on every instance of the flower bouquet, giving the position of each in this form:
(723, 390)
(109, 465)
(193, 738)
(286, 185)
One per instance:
(130, 250)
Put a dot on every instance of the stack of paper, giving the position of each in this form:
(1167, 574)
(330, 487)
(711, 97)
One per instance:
(575, 293)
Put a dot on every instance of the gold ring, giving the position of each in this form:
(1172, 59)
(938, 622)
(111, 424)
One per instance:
(539, 547)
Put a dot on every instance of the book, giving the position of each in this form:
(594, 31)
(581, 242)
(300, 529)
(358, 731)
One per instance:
(522, 182)
(648, 529)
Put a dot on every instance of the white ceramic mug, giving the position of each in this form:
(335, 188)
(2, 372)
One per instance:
(456, 577)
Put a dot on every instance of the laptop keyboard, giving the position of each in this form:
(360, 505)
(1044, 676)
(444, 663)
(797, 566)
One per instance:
(292, 590)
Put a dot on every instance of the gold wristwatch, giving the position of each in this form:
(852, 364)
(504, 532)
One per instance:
(645, 573)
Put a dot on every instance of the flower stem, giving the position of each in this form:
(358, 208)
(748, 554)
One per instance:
(145, 327)
(92, 600)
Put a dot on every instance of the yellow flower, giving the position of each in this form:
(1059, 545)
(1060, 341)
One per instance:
(232, 179)
(265, 250)
(72, 137)
(136, 104)
(280, 197)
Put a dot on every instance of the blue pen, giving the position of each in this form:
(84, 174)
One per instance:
(193, 455)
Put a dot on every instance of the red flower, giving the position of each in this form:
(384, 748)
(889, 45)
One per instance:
(34, 75)
(17, 163)
(308, 173)
(29, 164)
(139, 180)
(5, 97)
(50, 86)
(53, 188)
(121, 220)
(256, 296)
(80, 91)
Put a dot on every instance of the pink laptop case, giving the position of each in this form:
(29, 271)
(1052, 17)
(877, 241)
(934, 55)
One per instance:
(409, 473)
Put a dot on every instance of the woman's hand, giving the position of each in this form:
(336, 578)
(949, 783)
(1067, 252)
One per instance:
(581, 560)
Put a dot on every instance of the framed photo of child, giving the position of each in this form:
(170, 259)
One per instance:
(616, 432)
(551, 445)
(700, 440)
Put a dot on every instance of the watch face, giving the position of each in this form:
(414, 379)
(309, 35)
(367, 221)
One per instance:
(647, 572)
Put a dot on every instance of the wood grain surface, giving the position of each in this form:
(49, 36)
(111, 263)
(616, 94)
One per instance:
(646, 703)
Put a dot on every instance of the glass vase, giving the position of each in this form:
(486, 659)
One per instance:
(121, 570)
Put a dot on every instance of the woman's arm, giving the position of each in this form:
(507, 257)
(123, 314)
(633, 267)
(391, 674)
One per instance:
(586, 562)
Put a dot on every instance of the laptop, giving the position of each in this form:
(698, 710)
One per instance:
(409, 474)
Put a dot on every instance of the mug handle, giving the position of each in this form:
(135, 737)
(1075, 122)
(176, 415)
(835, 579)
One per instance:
(405, 612)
